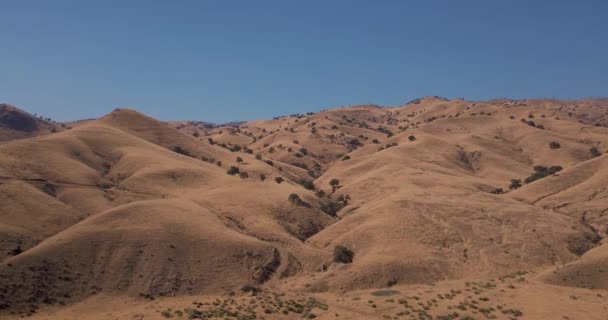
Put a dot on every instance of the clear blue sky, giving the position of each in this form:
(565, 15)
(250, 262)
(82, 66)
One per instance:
(241, 60)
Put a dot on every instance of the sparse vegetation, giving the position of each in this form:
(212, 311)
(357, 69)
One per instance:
(182, 151)
(343, 255)
(278, 180)
(233, 170)
(307, 184)
(411, 138)
(331, 207)
(294, 198)
(515, 184)
(554, 145)
(595, 152)
(541, 172)
(334, 183)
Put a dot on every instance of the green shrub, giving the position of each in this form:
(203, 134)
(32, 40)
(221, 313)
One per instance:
(239, 159)
(233, 170)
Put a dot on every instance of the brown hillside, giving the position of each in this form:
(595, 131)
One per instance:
(433, 198)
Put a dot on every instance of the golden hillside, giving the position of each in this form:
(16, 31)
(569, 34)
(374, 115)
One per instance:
(434, 205)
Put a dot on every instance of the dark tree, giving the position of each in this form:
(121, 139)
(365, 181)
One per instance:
(343, 255)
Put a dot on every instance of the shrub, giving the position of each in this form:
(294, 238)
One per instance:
(343, 255)
(554, 145)
(301, 165)
(278, 180)
(243, 175)
(15, 251)
(346, 158)
(307, 184)
(235, 148)
(258, 156)
(271, 150)
(497, 191)
(541, 172)
(515, 184)
(270, 163)
(180, 150)
(411, 138)
(595, 152)
(294, 198)
(375, 141)
(219, 163)
(334, 182)
(262, 177)
(239, 159)
(233, 170)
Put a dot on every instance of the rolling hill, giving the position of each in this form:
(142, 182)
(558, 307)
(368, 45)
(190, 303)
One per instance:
(302, 215)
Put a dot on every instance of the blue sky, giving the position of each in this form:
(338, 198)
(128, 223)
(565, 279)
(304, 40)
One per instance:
(242, 60)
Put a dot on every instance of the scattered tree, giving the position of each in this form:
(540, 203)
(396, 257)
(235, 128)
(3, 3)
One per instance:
(278, 180)
(541, 172)
(515, 184)
(180, 150)
(343, 255)
(294, 198)
(595, 152)
(307, 184)
(334, 183)
(411, 138)
(233, 170)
